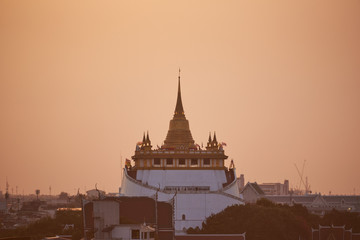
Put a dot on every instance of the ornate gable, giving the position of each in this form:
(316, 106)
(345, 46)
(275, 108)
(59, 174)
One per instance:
(319, 201)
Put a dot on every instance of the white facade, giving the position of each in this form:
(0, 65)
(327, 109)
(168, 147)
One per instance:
(126, 232)
(191, 207)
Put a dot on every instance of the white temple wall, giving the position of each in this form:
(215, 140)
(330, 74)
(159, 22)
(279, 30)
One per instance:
(212, 178)
(131, 189)
(197, 207)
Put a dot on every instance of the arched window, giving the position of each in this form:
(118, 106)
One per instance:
(183, 217)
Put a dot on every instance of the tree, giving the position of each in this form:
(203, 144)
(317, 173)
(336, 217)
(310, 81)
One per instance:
(47, 227)
(264, 220)
(64, 196)
(37, 191)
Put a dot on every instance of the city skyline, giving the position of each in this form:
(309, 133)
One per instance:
(81, 82)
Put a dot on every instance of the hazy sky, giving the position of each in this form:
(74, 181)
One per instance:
(80, 81)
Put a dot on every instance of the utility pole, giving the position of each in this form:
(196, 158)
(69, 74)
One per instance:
(156, 215)
(6, 196)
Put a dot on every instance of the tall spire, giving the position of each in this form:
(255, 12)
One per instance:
(179, 110)
(179, 135)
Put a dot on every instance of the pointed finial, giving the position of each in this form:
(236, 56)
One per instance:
(144, 138)
(179, 110)
(214, 139)
(179, 73)
(147, 137)
(209, 137)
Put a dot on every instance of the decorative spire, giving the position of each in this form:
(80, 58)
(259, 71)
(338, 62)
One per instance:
(179, 110)
(214, 139)
(147, 137)
(146, 145)
(209, 137)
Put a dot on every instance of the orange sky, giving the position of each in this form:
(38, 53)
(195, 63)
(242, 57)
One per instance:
(279, 82)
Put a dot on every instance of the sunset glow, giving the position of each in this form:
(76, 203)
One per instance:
(81, 81)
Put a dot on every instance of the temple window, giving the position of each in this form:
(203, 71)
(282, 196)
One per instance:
(183, 217)
(135, 234)
(194, 162)
(181, 162)
(207, 161)
(169, 161)
(157, 161)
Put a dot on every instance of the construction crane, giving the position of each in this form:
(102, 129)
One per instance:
(301, 182)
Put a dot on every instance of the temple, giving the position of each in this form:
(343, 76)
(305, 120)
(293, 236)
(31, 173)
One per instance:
(195, 180)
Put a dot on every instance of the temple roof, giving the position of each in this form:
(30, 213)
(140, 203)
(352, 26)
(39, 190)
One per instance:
(179, 135)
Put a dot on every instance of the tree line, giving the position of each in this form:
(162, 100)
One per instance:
(267, 220)
(49, 227)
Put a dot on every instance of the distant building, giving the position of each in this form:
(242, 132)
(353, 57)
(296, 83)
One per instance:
(94, 193)
(275, 188)
(333, 233)
(241, 182)
(2, 206)
(131, 231)
(320, 204)
(267, 188)
(251, 192)
(211, 237)
(128, 218)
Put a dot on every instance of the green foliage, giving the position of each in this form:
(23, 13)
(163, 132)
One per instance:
(69, 217)
(64, 195)
(258, 221)
(349, 219)
(267, 220)
(46, 227)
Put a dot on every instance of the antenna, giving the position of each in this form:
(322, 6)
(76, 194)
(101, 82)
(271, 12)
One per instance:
(7, 185)
(6, 195)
